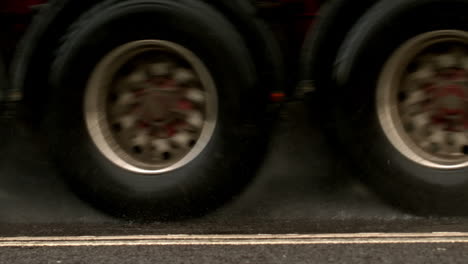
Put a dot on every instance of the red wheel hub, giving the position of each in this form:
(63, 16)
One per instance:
(448, 100)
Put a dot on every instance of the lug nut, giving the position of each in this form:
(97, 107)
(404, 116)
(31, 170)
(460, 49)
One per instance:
(437, 137)
(126, 98)
(420, 120)
(141, 138)
(446, 60)
(137, 76)
(460, 139)
(195, 118)
(160, 69)
(195, 95)
(415, 97)
(161, 145)
(127, 121)
(422, 73)
(182, 139)
(182, 75)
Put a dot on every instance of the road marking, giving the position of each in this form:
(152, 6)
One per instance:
(237, 240)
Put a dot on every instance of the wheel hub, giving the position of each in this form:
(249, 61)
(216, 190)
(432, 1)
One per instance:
(434, 113)
(422, 99)
(156, 103)
(447, 101)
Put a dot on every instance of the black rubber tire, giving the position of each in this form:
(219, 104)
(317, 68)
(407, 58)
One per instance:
(3, 77)
(224, 166)
(369, 44)
(322, 43)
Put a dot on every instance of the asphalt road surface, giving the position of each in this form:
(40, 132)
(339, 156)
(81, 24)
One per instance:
(303, 188)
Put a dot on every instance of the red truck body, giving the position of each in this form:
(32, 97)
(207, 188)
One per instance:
(24, 6)
(19, 7)
(20, 10)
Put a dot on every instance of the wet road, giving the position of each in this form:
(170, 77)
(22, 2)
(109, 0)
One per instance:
(425, 253)
(301, 189)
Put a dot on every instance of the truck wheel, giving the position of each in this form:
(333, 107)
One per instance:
(402, 108)
(155, 111)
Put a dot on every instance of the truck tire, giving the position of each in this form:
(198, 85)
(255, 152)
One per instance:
(400, 108)
(156, 110)
(323, 40)
(3, 77)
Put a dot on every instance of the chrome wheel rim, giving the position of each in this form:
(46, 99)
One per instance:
(422, 99)
(150, 106)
